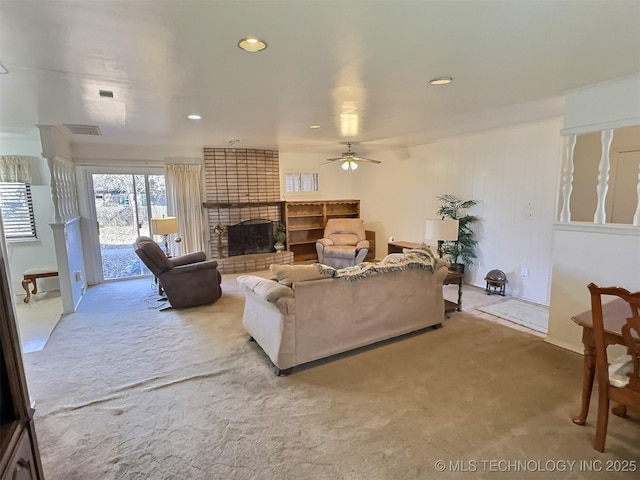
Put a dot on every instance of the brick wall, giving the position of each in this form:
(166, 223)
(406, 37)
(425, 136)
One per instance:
(240, 184)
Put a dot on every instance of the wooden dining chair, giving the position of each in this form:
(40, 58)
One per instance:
(619, 381)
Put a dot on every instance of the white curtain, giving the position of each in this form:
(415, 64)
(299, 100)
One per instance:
(14, 168)
(184, 188)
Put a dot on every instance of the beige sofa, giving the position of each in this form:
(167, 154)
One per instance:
(315, 311)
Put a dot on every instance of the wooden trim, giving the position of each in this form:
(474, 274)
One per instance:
(241, 205)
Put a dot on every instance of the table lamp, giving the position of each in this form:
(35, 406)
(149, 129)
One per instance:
(164, 226)
(441, 230)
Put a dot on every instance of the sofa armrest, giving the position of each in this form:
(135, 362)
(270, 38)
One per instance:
(188, 258)
(362, 244)
(267, 289)
(325, 242)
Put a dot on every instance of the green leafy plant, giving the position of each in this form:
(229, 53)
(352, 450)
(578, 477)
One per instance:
(281, 233)
(462, 250)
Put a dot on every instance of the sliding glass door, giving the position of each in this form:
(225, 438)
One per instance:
(124, 203)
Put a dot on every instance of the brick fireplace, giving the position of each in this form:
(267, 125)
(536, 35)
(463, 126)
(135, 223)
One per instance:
(242, 187)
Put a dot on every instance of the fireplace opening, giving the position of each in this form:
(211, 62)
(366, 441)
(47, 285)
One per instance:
(251, 236)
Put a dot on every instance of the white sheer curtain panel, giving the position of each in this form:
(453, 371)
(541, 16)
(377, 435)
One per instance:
(14, 168)
(184, 187)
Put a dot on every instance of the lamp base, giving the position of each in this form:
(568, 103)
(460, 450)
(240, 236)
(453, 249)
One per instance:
(165, 240)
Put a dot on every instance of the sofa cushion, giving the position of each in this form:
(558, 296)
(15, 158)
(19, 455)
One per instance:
(422, 246)
(268, 289)
(290, 274)
(393, 258)
(340, 251)
(344, 239)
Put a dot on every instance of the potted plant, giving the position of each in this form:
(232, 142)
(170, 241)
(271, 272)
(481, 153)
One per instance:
(462, 251)
(280, 237)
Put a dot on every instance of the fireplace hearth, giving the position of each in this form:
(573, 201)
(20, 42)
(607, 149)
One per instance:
(251, 236)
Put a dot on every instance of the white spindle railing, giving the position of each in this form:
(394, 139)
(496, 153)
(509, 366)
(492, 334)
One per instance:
(566, 183)
(64, 193)
(600, 217)
(567, 180)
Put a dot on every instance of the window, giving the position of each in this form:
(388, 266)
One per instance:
(301, 182)
(17, 211)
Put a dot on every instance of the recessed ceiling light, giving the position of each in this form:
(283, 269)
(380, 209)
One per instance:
(194, 116)
(441, 81)
(314, 126)
(252, 44)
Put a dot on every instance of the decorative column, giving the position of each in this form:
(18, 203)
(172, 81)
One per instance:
(600, 217)
(67, 237)
(567, 180)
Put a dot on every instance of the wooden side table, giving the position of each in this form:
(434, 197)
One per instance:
(398, 246)
(454, 278)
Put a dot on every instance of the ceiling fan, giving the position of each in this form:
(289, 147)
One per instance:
(350, 159)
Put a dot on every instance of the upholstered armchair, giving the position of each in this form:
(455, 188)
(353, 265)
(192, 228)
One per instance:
(344, 243)
(188, 280)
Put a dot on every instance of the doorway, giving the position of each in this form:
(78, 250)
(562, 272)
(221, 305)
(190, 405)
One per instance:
(124, 203)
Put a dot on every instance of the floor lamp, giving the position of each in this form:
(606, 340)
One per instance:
(164, 226)
(441, 230)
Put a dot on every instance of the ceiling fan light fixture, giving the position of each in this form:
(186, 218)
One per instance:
(349, 165)
(349, 159)
(441, 81)
(252, 44)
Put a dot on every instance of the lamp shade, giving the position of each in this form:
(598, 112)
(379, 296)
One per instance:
(164, 225)
(441, 229)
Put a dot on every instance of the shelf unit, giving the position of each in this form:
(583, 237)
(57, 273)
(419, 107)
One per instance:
(305, 221)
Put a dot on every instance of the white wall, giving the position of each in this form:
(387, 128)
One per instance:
(612, 104)
(39, 253)
(584, 253)
(513, 172)
(108, 155)
(335, 183)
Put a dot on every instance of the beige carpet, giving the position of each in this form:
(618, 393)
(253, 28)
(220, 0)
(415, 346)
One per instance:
(124, 391)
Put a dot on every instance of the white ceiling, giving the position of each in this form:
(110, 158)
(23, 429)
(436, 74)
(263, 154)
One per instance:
(371, 60)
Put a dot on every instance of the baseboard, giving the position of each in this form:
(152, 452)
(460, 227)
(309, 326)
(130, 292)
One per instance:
(565, 345)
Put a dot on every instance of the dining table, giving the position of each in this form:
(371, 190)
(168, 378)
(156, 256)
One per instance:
(614, 315)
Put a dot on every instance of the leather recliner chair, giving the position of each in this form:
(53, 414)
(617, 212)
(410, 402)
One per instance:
(188, 280)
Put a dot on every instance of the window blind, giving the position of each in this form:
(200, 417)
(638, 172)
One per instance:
(17, 210)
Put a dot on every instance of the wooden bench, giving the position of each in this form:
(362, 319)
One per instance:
(30, 276)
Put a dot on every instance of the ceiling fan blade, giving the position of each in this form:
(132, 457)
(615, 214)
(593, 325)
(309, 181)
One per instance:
(334, 159)
(362, 159)
(330, 160)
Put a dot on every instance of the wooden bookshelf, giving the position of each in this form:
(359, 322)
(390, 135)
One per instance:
(305, 221)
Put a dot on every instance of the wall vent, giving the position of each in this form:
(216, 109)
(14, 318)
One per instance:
(105, 93)
(83, 129)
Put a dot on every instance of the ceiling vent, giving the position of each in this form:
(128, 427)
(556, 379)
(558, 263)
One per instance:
(84, 129)
(105, 93)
